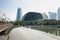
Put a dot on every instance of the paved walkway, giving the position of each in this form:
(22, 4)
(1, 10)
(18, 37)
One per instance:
(3, 37)
(22, 33)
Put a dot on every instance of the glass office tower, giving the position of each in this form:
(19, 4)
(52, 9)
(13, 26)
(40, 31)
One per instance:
(19, 14)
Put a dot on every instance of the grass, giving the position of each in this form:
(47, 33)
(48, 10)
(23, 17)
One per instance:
(48, 30)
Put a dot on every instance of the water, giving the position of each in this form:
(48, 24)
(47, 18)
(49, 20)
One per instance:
(52, 29)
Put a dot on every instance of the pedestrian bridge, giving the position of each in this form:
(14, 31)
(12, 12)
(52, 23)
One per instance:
(23, 33)
(4, 26)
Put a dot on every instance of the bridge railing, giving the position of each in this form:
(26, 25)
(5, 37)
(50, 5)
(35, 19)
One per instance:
(4, 26)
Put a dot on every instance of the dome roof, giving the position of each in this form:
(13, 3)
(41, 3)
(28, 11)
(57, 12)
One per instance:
(32, 16)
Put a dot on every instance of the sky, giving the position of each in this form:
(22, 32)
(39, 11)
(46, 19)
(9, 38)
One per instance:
(9, 7)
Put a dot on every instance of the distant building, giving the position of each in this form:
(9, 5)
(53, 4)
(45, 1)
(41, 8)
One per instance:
(32, 16)
(44, 16)
(52, 15)
(58, 15)
(19, 14)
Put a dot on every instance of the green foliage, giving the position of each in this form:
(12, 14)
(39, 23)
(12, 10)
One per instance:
(2, 22)
(48, 30)
(58, 22)
(37, 22)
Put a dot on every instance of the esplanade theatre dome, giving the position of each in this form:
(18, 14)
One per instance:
(32, 16)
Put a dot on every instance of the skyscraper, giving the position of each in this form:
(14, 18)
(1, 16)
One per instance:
(44, 16)
(58, 16)
(19, 14)
(52, 15)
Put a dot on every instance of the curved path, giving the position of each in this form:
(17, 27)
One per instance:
(22, 33)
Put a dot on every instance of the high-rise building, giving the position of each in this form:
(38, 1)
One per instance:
(58, 15)
(19, 14)
(52, 15)
(44, 16)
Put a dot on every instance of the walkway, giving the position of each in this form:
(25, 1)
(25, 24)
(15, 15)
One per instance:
(22, 33)
(4, 26)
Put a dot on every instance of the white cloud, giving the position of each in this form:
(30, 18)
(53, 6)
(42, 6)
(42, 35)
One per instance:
(31, 5)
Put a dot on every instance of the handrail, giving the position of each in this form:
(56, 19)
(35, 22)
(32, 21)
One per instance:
(4, 26)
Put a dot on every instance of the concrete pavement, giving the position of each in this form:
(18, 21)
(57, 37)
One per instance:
(22, 33)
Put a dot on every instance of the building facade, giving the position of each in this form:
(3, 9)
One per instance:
(52, 15)
(19, 14)
(44, 16)
(58, 14)
(32, 16)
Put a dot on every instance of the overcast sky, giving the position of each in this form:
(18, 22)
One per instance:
(9, 7)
